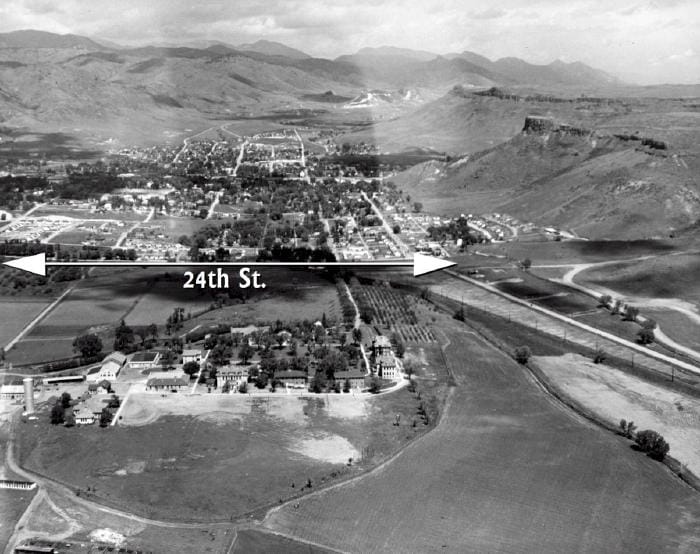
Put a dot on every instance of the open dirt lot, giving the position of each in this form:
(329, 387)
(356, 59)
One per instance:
(614, 395)
(146, 408)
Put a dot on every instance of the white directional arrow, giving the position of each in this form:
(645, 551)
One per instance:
(420, 263)
(427, 264)
(33, 264)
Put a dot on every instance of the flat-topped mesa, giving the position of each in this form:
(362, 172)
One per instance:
(539, 124)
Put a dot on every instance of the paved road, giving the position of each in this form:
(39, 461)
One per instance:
(25, 215)
(405, 250)
(356, 325)
(125, 234)
(681, 306)
(187, 141)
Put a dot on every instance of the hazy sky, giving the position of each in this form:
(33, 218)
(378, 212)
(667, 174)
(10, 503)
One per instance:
(645, 41)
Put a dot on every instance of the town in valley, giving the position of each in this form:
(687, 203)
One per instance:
(229, 351)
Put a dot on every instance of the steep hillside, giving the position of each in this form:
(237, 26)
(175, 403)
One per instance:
(467, 120)
(463, 121)
(601, 186)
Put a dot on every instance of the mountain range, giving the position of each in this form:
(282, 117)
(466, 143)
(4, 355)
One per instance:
(53, 79)
(594, 169)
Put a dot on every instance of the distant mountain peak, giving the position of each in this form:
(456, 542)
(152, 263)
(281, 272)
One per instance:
(272, 48)
(418, 55)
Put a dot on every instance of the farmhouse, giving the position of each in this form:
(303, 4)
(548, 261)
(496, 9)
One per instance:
(144, 360)
(12, 392)
(173, 384)
(83, 416)
(232, 374)
(381, 345)
(291, 378)
(194, 355)
(386, 367)
(355, 377)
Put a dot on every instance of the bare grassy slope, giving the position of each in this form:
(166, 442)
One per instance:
(599, 185)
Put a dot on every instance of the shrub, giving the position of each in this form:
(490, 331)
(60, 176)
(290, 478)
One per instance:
(522, 354)
(599, 356)
(653, 444)
(605, 300)
(628, 428)
(631, 313)
(645, 336)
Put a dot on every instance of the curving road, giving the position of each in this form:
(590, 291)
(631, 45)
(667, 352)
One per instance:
(675, 304)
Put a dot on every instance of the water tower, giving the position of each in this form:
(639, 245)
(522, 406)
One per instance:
(28, 395)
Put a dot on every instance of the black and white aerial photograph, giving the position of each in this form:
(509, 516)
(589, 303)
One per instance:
(349, 276)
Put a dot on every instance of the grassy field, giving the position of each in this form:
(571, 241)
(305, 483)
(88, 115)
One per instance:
(38, 350)
(676, 325)
(552, 252)
(249, 541)
(87, 307)
(83, 213)
(175, 227)
(163, 297)
(77, 236)
(309, 303)
(663, 277)
(506, 470)
(16, 314)
(613, 395)
(96, 305)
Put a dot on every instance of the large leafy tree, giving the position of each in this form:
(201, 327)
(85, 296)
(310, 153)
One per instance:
(652, 443)
(245, 353)
(88, 345)
(124, 337)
